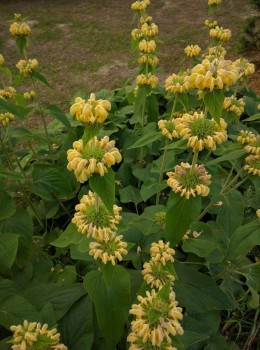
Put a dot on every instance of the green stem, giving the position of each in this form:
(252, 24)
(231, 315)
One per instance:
(194, 160)
(96, 202)
(174, 106)
(204, 212)
(227, 185)
(161, 172)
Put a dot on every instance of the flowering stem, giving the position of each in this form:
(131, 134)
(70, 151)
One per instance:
(204, 212)
(161, 172)
(174, 106)
(96, 202)
(227, 185)
(194, 160)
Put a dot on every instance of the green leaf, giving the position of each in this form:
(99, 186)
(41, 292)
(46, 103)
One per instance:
(13, 108)
(14, 309)
(228, 157)
(146, 139)
(9, 207)
(214, 102)
(252, 118)
(150, 187)
(201, 247)
(188, 339)
(12, 175)
(243, 240)
(40, 77)
(21, 42)
(180, 144)
(49, 182)
(7, 72)
(69, 236)
(110, 293)
(48, 315)
(104, 186)
(153, 316)
(198, 291)
(76, 326)
(164, 293)
(89, 133)
(146, 222)
(57, 113)
(181, 212)
(8, 250)
(21, 224)
(152, 108)
(20, 133)
(130, 194)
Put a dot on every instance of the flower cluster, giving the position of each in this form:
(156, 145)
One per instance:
(244, 67)
(220, 33)
(2, 60)
(189, 181)
(178, 83)
(167, 128)
(140, 5)
(91, 111)
(201, 132)
(147, 79)
(232, 104)
(246, 136)
(9, 92)
(94, 157)
(213, 75)
(5, 118)
(32, 335)
(214, 2)
(192, 50)
(210, 24)
(27, 66)
(20, 29)
(213, 52)
(253, 164)
(29, 95)
(156, 271)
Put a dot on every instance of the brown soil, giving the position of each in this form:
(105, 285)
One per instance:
(85, 45)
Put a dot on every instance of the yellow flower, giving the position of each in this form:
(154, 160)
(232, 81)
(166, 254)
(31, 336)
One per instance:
(91, 111)
(27, 66)
(29, 95)
(149, 30)
(253, 146)
(234, 105)
(150, 59)
(258, 107)
(258, 213)
(8, 92)
(137, 344)
(156, 274)
(246, 136)
(192, 50)
(160, 332)
(214, 2)
(95, 157)
(2, 60)
(109, 251)
(140, 5)
(146, 19)
(253, 164)
(210, 24)
(167, 128)
(97, 223)
(147, 46)
(178, 83)
(20, 29)
(213, 75)
(5, 118)
(220, 33)
(244, 67)
(147, 79)
(136, 34)
(201, 132)
(162, 253)
(189, 182)
(215, 52)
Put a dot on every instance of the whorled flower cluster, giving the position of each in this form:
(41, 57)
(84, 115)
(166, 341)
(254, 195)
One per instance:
(20, 29)
(26, 67)
(213, 52)
(253, 164)
(140, 5)
(156, 271)
(214, 75)
(156, 334)
(201, 132)
(95, 157)
(96, 224)
(220, 33)
(178, 83)
(33, 335)
(8, 92)
(90, 111)
(232, 104)
(29, 95)
(189, 181)
(6, 118)
(244, 68)
(210, 23)
(148, 79)
(192, 50)
(167, 128)
(251, 141)
(214, 2)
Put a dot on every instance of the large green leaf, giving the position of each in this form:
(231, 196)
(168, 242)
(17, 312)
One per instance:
(198, 291)
(130, 194)
(69, 236)
(57, 113)
(243, 240)
(21, 224)
(188, 339)
(180, 214)
(151, 187)
(146, 139)
(214, 102)
(109, 290)
(8, 250)
(11, 175)
(9, 207)
(13, 108)
(76, 326)
(39, 76)
(104, 186)
(50, 182)
(152, 108)
(14, 309)
(228, 157)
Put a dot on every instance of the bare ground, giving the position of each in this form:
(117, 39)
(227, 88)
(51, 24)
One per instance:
(85, 44)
